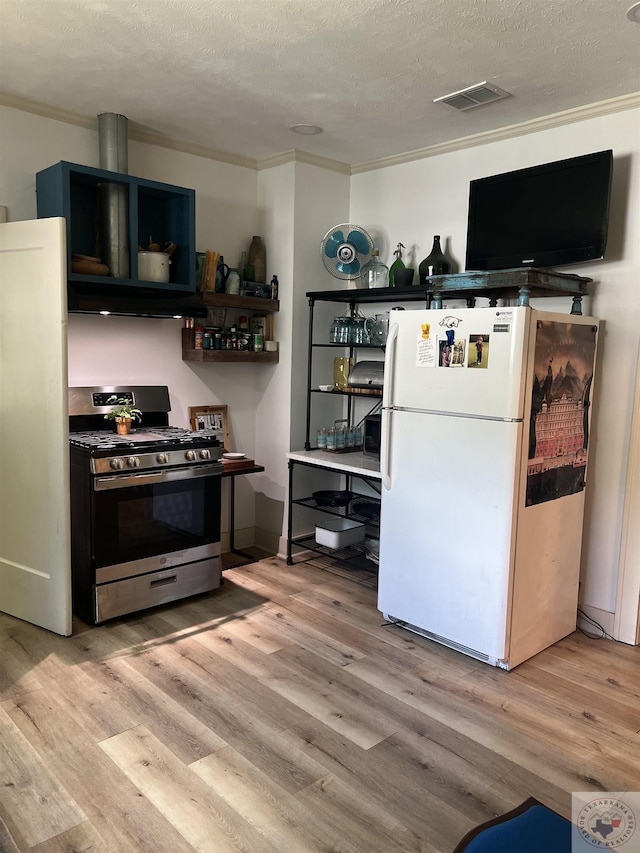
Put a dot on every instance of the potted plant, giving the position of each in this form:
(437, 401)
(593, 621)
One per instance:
(123, 412)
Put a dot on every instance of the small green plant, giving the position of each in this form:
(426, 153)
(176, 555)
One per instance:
(123, 408)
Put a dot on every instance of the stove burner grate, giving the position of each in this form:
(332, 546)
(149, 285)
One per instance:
(99, 440)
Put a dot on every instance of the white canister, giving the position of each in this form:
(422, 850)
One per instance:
(232, 284)
(153, 266)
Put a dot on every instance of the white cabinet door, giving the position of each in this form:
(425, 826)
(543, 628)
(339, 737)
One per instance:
(35, 573)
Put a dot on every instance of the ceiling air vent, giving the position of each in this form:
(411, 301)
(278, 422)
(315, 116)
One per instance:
(473, 96)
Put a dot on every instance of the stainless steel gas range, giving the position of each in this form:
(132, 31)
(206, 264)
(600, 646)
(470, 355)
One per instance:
(145, 507)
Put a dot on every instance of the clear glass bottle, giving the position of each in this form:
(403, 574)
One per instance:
(435, 263)
(374, 273)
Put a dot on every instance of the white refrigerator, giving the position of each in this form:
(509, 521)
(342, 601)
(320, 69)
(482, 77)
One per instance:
(485, 441)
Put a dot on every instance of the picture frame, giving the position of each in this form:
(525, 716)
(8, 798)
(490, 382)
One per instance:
(212, 418)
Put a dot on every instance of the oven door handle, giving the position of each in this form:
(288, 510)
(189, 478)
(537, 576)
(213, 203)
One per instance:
(130, 480)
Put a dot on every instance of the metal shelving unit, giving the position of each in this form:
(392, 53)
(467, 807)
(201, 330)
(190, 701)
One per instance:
(352, 468)
(354, 555)
(352, 298)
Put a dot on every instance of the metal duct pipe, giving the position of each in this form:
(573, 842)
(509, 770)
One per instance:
(112, 133)
(114, 200)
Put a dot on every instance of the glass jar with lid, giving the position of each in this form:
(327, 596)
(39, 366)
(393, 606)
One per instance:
(341, 330)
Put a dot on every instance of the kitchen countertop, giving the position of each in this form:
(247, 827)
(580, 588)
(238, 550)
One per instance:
(362, 464)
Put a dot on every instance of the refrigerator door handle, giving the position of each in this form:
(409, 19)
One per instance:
(389, 365)
(387, 402)
(385, 447)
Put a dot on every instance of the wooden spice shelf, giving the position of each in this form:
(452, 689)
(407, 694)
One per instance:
(207, 356)
(246, 303)
(242, 303)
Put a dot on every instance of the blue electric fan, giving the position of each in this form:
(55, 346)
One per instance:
(345, 249)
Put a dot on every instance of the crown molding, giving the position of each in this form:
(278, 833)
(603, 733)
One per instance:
(27, 106)
(139, 133)
(135, 131)
(152, 137)
(295, 156)
(601, 108)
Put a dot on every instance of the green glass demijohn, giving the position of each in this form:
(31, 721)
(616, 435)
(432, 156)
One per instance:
(435, 263)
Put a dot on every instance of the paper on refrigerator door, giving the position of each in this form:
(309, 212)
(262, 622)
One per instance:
(426, 352)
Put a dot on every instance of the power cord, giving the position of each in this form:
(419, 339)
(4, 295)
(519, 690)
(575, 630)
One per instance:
(601, 636)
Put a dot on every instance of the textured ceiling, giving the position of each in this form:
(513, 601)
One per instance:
(234, 75)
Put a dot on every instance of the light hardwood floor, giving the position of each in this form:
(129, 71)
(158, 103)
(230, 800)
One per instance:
(280, 713)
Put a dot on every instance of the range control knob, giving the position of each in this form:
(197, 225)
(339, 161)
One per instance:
(191, 455)
(205, 454)
(133, 462)
(162, 458)
(116, 464)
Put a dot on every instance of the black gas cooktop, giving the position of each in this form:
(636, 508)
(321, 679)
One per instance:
(143, 437)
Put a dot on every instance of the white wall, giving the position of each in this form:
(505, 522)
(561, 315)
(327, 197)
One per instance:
(276, 218)
(413, 201)
(298, 203)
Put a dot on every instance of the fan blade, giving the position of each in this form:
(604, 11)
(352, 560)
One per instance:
(349, 269)
(333, 243)
(359, 241)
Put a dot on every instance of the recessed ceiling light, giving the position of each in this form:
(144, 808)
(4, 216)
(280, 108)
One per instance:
(633, 13)
(306, 129)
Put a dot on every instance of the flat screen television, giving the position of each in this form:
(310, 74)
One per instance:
(543, 216)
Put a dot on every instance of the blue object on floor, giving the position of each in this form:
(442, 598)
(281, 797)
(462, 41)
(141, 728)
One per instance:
(529, 828)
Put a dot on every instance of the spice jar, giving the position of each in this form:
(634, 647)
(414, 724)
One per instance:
(199, 337)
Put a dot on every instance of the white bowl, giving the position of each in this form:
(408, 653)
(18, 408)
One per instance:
(325, 387)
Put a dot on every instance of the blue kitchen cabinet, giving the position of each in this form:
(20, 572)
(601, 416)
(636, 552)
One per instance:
(163, 212)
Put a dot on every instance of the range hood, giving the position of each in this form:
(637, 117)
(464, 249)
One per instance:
(126, 301)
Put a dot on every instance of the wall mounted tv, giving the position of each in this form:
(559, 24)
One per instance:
(543, 216)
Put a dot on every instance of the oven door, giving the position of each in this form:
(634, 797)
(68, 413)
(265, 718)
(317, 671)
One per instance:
(140, 520)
